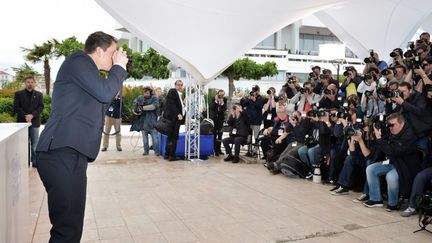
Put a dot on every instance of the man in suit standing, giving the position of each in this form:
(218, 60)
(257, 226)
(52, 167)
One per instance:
(28, 104)
(174, 111)
(72, 135)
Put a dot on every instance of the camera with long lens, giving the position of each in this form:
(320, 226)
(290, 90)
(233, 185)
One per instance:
(355, 129)
(368, 93)
(312, 113)
(379, 121)
(322, 113)
(386, 72)
(371, 58)
(394, 54)
(302, 90)
(389, 93)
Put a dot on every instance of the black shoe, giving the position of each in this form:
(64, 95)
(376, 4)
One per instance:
(334, 188)
(172, 158)
(104, 149)
(392, 208)
(340, 191)
(229, 158)
(373, 204)
(220, 152)
(309, 176)
(119, 149)
(235, 160)
(217, 153)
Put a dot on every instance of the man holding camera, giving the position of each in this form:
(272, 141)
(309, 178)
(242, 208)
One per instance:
(239, 131)
(417, 113)
(146, 106)
(373, 61)
(253, 106)
(276, 135)
(291, 87)
(400, 167)
(305, 99)
(330, 98)
(113, 118)
(269, 108)
(352, 81)
(72, 135)
(218, 106)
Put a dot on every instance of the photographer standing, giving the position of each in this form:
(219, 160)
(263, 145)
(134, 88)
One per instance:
(290, 87)
(352, 81)
(253, 106)
(146, 106)
(218, 107)
(72, 135)
(373, 61)
(329, 99)
(269, 108)
(113, 118)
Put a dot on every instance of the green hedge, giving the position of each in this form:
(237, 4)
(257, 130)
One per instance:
(6, 106)
(6, 118)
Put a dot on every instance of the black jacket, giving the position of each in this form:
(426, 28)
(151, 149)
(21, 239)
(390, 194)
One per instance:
(26, 103)
(253, 109)
(418, 114)
(173, 106)
(217, 112)
(241, 124)
(401, 152)
(114, 109)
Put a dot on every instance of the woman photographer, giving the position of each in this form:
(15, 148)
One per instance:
(269, 108)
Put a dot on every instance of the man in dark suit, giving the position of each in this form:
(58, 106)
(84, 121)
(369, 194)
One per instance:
(28, 104)
(175, 112)
(239, 131)
(218, 107)
(72, 135)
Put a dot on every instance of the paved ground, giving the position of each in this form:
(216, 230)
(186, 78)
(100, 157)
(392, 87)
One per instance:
(135, 198)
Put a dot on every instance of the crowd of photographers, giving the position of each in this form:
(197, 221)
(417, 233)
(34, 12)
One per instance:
(375, 124)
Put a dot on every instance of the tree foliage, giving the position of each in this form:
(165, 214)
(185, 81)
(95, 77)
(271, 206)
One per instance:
(24, 71)
(67, 46)
(149, 63)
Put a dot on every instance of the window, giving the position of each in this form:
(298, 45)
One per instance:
(268, 43)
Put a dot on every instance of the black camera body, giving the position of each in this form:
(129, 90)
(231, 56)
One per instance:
(389, 93)
(302, 90)
(329, 91)
(368, 93)
(379, 122)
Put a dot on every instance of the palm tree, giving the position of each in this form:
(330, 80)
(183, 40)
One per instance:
(42, 53)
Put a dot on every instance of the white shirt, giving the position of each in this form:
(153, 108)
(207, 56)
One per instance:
(181, 101)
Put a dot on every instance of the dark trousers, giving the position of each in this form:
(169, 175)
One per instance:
(63, 172)
(348, 168)
(171, 145)
(422, 180)
(217, 138)
(237, 141)
(269, 143)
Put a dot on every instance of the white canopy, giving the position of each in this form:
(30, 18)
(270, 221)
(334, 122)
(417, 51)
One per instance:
(379, 25)
(206, 36)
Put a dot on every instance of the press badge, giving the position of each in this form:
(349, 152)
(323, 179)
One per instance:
(234, 131)
(280, 132)
(269, 116)
(110, 108)
(294, 144)
(386, 162)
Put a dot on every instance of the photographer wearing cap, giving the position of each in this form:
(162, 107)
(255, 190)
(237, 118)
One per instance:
(239, 131)
(218, 106)
(276, 136)
(305, 98)
(400, 167)
(253, 107)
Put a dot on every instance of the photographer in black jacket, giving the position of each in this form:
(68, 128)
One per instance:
(239, 130)
(276, 135)
(253, 107)
(218, 106)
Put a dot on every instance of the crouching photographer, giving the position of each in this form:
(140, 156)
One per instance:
(275, 138)
(417, 114)
(400, 167)
(239, 130)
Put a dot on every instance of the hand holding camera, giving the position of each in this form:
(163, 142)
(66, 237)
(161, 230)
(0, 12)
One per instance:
(120, 57)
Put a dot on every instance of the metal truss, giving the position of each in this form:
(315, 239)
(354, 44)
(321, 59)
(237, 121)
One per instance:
(193, 115)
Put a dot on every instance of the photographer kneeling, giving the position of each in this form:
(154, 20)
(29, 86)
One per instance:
(276, 136)
(400, 167)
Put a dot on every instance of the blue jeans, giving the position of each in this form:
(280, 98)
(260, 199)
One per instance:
(155, 141)
(348, 167)
(373, 172)
(308, 155)
(34, 139)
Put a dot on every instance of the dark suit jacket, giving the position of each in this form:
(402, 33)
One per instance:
(26, 103)
(173, 106)
(77, 111)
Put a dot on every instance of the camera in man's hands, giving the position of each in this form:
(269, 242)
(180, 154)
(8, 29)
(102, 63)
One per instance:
(347, 73)
(371, 58)
(379, 121)
(351, 131)
(368, 93)
(389, 93)
(301, 90)
(342, 114)
(252, 93)
(329, 91)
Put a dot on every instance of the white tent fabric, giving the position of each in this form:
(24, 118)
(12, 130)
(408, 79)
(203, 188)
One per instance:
(206, 36)
(427, 25)
(379, 25)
